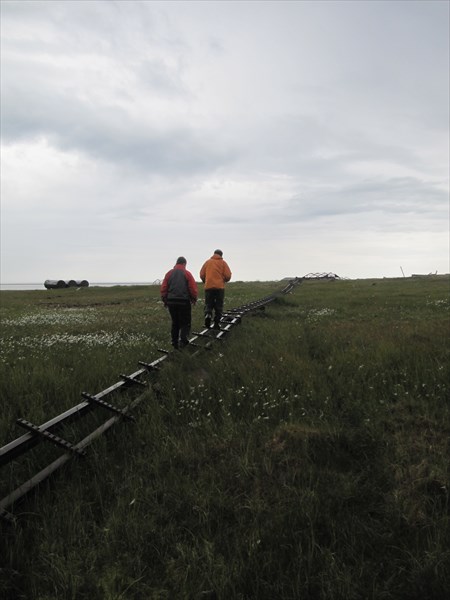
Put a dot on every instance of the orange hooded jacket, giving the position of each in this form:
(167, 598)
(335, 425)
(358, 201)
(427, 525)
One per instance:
(215, 273)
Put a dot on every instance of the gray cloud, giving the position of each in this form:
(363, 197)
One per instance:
(243, 122)
(397, 196)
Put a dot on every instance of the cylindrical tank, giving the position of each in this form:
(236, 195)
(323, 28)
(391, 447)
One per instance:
(53, 284)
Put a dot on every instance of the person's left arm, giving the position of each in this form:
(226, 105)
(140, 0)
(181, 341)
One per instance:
(192, 286)
(226, 272)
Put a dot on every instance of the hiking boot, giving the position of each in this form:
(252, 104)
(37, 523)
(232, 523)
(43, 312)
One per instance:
(208, 320)
(216, 325)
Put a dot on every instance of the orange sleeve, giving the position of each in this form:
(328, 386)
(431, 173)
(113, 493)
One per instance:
(226, 272)
(203, 273)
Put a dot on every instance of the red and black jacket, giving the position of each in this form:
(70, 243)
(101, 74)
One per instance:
(179, 286)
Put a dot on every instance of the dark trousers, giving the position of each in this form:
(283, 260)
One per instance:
(214, 302)
(180, 314)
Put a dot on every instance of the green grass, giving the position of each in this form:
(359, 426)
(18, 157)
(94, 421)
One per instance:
(304, 457)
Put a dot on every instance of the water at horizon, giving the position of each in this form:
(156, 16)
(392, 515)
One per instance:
(40, 286)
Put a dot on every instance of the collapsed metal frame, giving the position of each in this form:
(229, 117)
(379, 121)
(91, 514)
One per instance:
(46, 431)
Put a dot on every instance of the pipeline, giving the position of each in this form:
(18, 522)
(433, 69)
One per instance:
(139, 379)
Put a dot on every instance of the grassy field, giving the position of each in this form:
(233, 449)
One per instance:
(305, 457)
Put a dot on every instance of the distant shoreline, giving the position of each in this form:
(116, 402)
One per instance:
(40, 286)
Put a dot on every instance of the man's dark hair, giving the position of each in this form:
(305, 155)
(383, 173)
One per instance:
(181, 260)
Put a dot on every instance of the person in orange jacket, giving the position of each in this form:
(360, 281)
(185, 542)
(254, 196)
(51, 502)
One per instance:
(214, 273)
(179, 292)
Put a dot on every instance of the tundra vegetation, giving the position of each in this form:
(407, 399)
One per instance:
(306, 456)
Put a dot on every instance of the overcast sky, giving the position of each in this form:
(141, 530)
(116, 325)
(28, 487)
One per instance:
(298, 137)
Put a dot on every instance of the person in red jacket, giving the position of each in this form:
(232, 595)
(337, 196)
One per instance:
(214, 273)
(179, 292)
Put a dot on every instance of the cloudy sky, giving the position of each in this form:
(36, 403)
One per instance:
(298, 137)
